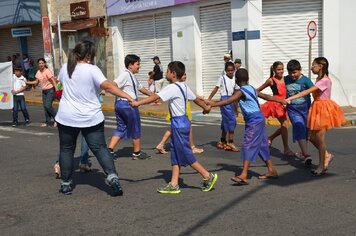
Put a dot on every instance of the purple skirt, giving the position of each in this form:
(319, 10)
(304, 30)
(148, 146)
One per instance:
(255, 142)
(181, 152)
(298, 115)
(228, 121)
(128, 121)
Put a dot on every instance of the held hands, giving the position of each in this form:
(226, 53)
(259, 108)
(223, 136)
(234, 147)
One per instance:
(207, 109)
(13, 92)
(133, 103)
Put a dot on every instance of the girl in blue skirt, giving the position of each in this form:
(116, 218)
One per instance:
(177, 93)
(255, 138)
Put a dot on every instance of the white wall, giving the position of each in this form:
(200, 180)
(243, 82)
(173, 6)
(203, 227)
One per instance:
(187, 48)
(248, 14)
(339, 48)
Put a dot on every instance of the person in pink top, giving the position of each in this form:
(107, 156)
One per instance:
(324, 113)
(48, 86)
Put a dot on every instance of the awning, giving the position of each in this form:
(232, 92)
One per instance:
(77, 25)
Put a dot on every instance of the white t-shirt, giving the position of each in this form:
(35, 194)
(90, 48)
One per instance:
(175, 98)
(124, 82)
(79, 105)
(230, 85)
(19, 82)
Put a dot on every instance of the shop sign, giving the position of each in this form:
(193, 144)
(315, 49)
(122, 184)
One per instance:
(21, 32)
(119, 7)
(79, 10)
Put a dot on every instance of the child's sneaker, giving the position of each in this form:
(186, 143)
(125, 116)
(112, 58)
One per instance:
(27, 123)
(208, 184)
(231, 147)
(14, 124)
(141, 156)
(66, 189)
(169, 189)
(221, 145)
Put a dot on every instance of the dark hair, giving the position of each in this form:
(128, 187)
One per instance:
(18, 69)
(178, 67)
(84, 50)
(131, 59)
(41, 59)
(274, 67)
(241, 76)
(229, 63)
(150, 73)
(293, 65)
(325, 65)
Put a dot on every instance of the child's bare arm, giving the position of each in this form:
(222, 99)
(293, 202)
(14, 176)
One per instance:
(146, 91)
(234, 97)
(303, 93)
(212, 94)
(266, 84)
(144, 101)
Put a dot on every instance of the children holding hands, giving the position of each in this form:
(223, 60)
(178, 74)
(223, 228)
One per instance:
(177, 93)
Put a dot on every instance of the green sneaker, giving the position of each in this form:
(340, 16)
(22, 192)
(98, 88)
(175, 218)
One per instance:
(169, 189)
(208, 184)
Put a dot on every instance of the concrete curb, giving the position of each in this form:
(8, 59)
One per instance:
(240, 120)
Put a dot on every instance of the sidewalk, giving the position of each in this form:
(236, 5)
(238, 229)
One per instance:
(35, 97)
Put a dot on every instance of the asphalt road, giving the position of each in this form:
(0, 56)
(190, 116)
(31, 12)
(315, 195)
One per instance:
(294, 204)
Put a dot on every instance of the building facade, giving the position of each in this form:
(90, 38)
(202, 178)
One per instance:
(20, 29)
(199, 33)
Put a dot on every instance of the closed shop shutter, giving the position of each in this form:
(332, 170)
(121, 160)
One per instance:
(284, 32)
(215, 23)
(8, 45)
(147, 37)
(35, 43)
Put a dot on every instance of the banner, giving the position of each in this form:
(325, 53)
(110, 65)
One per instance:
(6, 98)
(119, 7)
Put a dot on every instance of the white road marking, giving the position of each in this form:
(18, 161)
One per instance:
(3, 137)
(23, 131)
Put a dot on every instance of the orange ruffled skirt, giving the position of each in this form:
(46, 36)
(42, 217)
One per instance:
(274, 109)
(325, 114)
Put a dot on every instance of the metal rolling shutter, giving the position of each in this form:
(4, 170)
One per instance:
(148, 37)
(284, 31)
(215, 23)
(8, 45)
(35, 43)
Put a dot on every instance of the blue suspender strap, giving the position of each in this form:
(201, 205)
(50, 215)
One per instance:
(254, 96)
(133, 84)
(227, 93)
(185, 99)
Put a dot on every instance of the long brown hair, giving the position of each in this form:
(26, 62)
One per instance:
(84, 50)
(325, 65)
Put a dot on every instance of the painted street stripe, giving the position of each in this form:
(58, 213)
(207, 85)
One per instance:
(3, 137)
(22, 131)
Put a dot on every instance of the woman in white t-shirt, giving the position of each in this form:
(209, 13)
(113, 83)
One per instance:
(80, 111)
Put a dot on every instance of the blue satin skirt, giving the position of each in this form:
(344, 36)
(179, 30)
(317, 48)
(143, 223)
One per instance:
(298, 115)
(128, 121)
(228, 121)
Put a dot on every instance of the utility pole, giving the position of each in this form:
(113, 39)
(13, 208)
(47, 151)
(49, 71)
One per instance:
(46, 33)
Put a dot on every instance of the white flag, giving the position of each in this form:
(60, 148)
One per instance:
(6, 97)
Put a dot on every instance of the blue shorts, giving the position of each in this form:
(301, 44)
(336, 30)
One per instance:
(228, 121)
(128, 121)
(181, 152)
(298, 115)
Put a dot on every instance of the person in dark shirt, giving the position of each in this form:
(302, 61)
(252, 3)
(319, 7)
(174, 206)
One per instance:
(158, 74)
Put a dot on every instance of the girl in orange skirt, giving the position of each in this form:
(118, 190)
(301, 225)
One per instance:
(324, 113)
(275, 109)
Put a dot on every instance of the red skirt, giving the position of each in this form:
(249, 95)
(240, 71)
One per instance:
(325, 114)
(274, 109)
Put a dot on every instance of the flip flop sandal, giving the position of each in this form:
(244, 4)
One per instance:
(161, 150)
(239, 181)
(231, 148)
(268, 177)
(221, 145)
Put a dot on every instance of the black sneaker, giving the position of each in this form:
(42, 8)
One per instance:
(141, 156)
(27, 123)
(116, 187)
(14, 124)
(66, 189)
(114, 155)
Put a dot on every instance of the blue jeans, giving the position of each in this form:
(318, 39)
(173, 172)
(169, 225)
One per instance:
(95, 138)
(84, 152)
(19, 100)
(47, 100)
